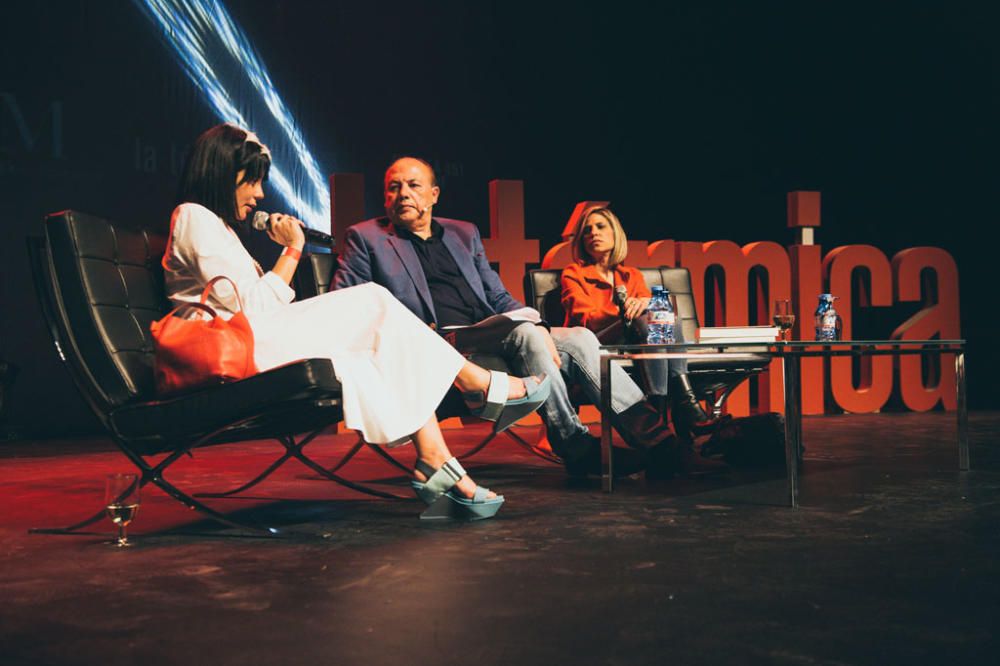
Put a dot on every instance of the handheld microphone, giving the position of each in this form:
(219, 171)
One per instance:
(262, 222)
(621, 295)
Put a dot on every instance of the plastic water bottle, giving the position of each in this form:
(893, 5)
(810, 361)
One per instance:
(660, 317)
(827, 320)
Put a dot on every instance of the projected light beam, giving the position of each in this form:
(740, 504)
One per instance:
(216, 55)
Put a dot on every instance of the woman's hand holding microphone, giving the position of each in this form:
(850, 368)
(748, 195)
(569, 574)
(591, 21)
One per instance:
(286, 230)
(634, 307)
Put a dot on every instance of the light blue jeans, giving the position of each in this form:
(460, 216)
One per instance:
(656, 372)
(526, 351)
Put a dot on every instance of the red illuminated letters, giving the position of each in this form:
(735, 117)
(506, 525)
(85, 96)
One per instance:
(749, 279)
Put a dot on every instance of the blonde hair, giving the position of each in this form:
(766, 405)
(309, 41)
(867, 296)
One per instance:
(620, 251)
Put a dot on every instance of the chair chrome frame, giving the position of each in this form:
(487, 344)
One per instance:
(99, 286)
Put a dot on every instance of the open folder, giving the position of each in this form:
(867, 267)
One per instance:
(485, 336)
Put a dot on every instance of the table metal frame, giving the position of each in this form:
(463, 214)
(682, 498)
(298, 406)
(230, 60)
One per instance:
(791, 354)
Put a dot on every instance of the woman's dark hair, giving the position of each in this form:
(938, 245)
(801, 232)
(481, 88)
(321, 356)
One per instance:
(209, 176)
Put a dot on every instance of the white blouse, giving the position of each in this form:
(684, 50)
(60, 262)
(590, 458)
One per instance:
(394, 369)
(201, 247)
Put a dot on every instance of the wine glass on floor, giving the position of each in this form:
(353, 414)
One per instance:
(784, 318)
(121, 501)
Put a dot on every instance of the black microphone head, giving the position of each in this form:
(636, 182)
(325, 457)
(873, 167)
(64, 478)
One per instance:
(259, 221)
(621, 295)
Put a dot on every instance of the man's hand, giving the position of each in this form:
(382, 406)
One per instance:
(552, 349)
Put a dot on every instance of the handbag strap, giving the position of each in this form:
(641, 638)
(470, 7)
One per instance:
(204, 297)
(208, 290)
(185, 306)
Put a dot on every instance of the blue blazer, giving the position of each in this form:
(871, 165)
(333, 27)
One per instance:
(372, 251)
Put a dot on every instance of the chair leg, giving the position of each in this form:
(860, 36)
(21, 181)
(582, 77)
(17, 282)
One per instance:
(350, 454)
(293, 449)
(192, 503)
(296, 452)
(541, 453)
(155, 475)
(478, 447)
(544, 455)
(374, 447)
(720, 401)
(385, 455)
(267, 472)
(253, 482)
(69, 528)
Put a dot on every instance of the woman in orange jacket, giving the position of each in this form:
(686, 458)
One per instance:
(588, 297)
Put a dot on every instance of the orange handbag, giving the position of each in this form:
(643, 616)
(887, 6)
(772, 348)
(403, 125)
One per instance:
(198, 352)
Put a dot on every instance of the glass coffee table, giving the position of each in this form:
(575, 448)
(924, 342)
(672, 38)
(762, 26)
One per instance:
(791, 354)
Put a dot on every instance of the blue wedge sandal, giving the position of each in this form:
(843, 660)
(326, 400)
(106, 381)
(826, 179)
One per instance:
(443, 502)
(503, 412)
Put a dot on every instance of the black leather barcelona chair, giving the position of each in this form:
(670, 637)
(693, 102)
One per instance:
(712, 379)
(313, 277)
(100, 285)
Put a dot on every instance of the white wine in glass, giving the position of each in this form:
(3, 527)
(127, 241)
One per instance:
(121, 501)
(784, 318)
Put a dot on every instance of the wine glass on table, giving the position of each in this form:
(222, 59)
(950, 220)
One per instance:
(121, 501)
(784, 318)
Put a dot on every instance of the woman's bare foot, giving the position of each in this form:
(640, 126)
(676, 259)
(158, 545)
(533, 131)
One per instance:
(465, 487)
(516, 388)
(475, 379)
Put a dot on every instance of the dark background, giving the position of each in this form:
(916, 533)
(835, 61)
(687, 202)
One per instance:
(694, 121)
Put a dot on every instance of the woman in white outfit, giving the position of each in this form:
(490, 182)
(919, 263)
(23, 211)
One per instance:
(393, 368)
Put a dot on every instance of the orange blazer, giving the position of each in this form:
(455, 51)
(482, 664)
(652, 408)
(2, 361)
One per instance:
(587, 297)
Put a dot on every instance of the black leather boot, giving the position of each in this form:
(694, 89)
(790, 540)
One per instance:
(642, 426)
(686, 411)
(690, 462)
(581, 455)
(679, 456)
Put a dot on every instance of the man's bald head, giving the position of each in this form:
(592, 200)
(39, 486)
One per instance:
(410, 159)
(410, 194)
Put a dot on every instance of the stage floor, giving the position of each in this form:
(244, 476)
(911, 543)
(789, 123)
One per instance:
(891, 559)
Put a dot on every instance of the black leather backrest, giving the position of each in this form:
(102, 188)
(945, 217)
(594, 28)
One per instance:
(313, 277)
(108, 284)
(678, 282)
(652, 276)
(543, 291)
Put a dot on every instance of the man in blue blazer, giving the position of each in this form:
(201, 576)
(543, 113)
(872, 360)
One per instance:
(438, 269)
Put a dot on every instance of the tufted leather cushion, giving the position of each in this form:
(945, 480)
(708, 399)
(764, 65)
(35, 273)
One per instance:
(314, 274)
(111, 289)
(103, 288)
(678, 282)
(543, 291)
(710, 374)
(146, 425)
